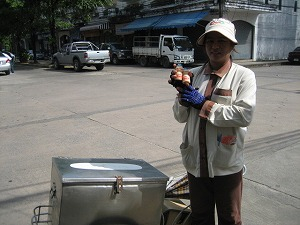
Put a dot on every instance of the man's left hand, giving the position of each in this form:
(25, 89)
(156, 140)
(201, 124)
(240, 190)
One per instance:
(191, 95)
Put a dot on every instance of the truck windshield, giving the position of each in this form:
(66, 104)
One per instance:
(183, 43)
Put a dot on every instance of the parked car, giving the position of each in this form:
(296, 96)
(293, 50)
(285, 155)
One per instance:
(294, 56)
(79, 54)
(117, 52)
(39, 55)
(4, 64)
(12, 59)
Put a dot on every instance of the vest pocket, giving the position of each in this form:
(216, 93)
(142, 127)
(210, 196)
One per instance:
(222, 96)
(188, 158)
(226, 154)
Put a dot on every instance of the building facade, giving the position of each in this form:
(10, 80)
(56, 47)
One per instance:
(266, 29)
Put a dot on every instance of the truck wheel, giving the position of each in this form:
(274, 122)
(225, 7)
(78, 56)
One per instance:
(7, 72)
(115, 60)
(152, 60)
(165, 62)
(143, 61)
(77, 65)
(99, 67)
(56, 64)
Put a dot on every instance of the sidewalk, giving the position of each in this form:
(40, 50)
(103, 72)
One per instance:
(250, 63)
(247, 63)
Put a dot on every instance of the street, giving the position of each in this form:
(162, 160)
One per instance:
(125, 111)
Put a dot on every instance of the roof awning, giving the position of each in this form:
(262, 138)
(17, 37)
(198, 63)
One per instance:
(119, 30)
(178, 20)
(102, 26)
(142, 23)
(188, 19)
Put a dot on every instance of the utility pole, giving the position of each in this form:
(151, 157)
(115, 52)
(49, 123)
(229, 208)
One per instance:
(221, 8)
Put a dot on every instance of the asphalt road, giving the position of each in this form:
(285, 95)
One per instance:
(126, 112)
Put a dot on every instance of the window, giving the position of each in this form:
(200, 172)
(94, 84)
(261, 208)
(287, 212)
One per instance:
(168, 42)
(64, 48)
(183, 44)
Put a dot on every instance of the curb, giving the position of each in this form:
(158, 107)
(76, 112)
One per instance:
(245, 63)
(248, 63)
(41, 65)
(265, 63)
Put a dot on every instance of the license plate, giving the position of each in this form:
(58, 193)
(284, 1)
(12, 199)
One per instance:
(296, 59)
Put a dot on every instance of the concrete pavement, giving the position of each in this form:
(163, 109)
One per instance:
(246, 63)
(65, 118)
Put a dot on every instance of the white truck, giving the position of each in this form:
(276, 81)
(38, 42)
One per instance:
(80, 54)
(164, 49)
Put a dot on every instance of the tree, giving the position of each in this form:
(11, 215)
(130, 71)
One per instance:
(11, 29)
(68, 13)
(44, 15)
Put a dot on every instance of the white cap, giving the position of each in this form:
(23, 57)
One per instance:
(221, 25)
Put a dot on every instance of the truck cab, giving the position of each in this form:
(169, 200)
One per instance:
(178, 49)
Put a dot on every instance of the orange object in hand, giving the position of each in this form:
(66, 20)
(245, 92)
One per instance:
(178, 75)
(186, 79)
(179, 71)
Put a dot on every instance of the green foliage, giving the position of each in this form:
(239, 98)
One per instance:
(63, 25)
(5, 43)
(15, 3)
(44, 15)
(24, 56)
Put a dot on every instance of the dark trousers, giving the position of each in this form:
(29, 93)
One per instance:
(222, 192)
(12, 65)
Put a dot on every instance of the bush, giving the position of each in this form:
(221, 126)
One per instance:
(24, 57)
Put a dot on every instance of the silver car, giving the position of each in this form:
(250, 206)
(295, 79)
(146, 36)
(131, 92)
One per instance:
(4, 64)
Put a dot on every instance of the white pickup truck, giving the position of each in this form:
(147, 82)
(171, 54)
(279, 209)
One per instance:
(164, 49)
(80, 54)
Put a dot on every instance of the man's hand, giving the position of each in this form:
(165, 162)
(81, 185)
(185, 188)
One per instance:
(190, 95)
(175, 83)
(182, 102)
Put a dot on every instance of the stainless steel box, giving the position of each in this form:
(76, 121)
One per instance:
(95, 191)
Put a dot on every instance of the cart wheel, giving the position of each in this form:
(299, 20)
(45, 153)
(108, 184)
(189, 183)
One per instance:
(244, 170)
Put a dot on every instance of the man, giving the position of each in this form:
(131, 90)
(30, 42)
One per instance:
(216, 109)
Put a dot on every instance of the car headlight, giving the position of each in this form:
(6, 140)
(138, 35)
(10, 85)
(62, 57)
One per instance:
(176, 57)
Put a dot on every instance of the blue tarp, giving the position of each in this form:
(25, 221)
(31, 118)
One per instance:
(180, 20)
(142, 23)
(188, 19)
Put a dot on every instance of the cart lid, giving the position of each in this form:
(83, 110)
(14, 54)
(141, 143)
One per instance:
(77, 170)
